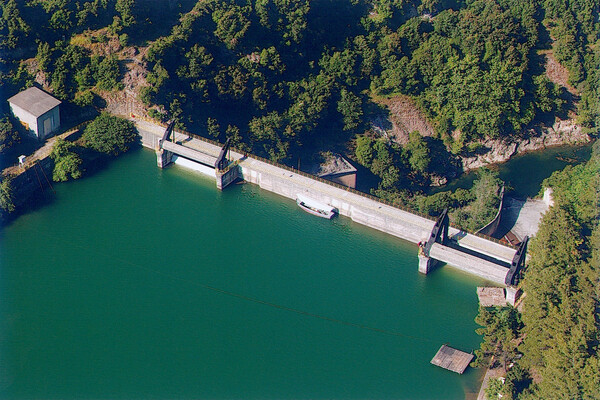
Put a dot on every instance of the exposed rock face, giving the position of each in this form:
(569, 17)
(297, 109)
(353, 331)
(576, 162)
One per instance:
(498, 150)
(405, 117)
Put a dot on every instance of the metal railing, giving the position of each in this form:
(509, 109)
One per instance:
(327, 182)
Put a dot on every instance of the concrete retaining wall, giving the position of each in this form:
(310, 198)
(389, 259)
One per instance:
(491, 228)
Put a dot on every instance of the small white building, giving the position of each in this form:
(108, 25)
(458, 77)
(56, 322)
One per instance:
(37, 111)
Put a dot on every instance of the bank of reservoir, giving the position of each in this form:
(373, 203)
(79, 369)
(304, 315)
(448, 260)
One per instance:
(148, 283)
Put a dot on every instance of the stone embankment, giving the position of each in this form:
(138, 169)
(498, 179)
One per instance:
(562, 132)
(35, 174)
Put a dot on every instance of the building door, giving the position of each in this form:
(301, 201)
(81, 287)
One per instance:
(47, 126)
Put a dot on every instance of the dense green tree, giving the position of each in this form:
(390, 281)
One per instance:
(350, 106)
(8, 135)
(419, 152)
(110, 135)
(560, 311)
(500, 329)
(364, 150)
(231, 23)
(126, 10)
(13, 29)
(106, 73)
(486, 192)
(213, 129)
(7, 200)
(43, 56)
(67, 163)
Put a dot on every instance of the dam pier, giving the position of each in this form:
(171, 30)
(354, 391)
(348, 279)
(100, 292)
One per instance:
(437, 240)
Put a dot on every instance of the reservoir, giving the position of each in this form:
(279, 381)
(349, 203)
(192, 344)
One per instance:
(137, 282)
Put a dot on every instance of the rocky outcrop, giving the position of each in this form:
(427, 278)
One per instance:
(562, 132)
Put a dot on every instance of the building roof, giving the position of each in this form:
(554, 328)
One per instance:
(491, 296)
(35, 101)
(333, 164)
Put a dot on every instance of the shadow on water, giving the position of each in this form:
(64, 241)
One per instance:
(37, 201)
(45, 195)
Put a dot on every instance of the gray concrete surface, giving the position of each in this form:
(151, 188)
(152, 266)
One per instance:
(523, 217)
(361, 209)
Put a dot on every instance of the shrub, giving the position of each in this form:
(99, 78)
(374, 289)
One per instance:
(67, 163)
(6, 195)
(110, 135)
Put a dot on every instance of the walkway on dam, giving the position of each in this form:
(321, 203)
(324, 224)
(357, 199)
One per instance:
(190, 153)
(492, 263)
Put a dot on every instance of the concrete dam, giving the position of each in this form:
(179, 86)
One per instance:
(473, 254)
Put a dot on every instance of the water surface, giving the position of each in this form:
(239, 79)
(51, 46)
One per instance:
(146, 283)
(525, 173)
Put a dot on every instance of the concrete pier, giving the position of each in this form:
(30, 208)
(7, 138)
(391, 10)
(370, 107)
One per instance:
(163, 158)
(426, 264)
(512, 295)
(227, 176)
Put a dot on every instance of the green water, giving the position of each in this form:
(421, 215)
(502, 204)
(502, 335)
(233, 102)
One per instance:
(143, 283)
(525, 173)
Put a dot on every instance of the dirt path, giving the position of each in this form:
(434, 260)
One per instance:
(39, 154)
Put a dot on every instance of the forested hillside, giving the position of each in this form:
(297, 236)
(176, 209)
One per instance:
(288, 78)
(553, 346)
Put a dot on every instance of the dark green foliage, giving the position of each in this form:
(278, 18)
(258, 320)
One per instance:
(560, 312)
(126, 10)
(106, 72)
(471, 70)
(7, 201)
(67, 163)
(350, 106)
(500, 328)
(384, 160)
(434, 204)
(469, 209)
(486, 192)
(8, 135)
(110, 135)
(13, 29)
(231, 24)
(213, 129)
(420, 157)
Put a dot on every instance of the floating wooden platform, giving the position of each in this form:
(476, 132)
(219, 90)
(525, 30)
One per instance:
(491, 296)
(452, 359)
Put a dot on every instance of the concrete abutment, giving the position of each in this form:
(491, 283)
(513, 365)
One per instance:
(227, 177)
(512, 295)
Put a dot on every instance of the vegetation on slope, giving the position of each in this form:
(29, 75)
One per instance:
(110, 135)
(560, 331)
(282, 78)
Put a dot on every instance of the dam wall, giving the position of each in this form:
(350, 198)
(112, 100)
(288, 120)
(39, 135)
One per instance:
(287, 183)
(360, 207)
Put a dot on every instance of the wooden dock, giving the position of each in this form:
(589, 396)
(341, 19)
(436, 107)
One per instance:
(452, 359)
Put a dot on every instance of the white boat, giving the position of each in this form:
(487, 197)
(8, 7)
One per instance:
(315, 207)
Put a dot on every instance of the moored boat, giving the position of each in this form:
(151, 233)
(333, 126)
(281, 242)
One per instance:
(315, 207)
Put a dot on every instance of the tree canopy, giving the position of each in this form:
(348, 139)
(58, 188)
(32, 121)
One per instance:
(110, 135)
(560, 314)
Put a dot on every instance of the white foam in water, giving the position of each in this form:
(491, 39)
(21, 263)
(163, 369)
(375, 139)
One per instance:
(184, 162)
